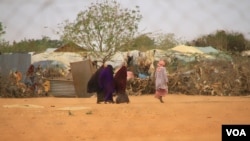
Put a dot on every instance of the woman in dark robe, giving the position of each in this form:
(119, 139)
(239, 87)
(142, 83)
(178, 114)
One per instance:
(93, 85)
(106, 83)
(121, 84)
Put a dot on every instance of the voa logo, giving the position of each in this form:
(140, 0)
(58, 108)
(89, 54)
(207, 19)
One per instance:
(236, 132)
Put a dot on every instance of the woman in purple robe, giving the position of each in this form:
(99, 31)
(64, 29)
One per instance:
(106, 83)
(93, 85)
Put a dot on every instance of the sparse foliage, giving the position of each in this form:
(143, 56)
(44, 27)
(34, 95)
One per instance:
(3, 43)
(1, 30)
(166, 41)
(25, 46)
(142, 42)
(103, 27)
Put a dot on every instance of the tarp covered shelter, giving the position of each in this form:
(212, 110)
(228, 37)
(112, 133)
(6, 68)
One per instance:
(50, 64)
(192, 49)
(81, 73)
(64, 57)
(191, 53)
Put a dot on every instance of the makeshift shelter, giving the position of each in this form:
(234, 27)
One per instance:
(191, 53)
(64, 57)
(70, 47)
(50, 64)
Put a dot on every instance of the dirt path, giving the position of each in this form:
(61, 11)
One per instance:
(180, 118)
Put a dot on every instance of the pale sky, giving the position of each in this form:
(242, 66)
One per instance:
(187, 19)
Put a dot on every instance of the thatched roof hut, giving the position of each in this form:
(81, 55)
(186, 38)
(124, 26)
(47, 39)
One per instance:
(70, 47)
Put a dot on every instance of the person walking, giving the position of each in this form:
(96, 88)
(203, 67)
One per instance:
(161, 80)
(121, 84)
(93, 85)
(106, 83)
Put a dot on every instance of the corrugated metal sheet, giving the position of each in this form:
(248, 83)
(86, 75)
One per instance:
(62, 88)
(16, 62)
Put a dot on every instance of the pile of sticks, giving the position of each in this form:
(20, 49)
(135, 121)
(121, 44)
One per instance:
(13, 88)
(211, 77)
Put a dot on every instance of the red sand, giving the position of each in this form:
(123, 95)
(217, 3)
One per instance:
(180, 118)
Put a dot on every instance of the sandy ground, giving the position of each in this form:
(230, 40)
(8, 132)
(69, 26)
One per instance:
(180, 118)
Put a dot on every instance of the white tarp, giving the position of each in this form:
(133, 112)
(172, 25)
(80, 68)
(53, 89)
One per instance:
(190, 53)
(193, 50)
(64, 57)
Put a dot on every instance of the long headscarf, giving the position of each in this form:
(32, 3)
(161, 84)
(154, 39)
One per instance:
(121, 80)
(93, 85)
